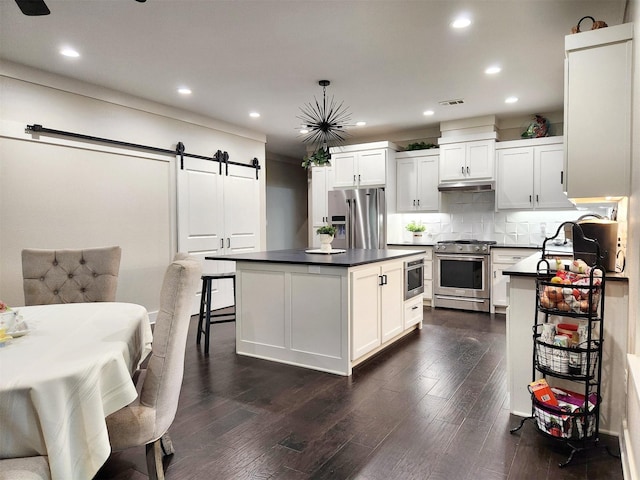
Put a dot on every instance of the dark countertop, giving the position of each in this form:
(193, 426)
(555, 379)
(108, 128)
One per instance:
(411, 244)
(350, 258)
(431, 244)
(527, 268)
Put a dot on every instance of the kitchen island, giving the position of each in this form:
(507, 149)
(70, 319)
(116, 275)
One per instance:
(324, 312)
(520, 319)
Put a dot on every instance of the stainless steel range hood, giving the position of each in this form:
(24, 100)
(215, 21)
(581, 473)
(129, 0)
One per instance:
(467, 186)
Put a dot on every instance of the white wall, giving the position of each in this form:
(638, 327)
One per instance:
(286, 203)
(62, 193)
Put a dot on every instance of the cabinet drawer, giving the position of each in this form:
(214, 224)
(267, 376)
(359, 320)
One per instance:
(412, 311)
(510, 256)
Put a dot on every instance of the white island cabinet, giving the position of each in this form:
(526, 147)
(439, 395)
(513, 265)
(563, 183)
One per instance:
(324, 312)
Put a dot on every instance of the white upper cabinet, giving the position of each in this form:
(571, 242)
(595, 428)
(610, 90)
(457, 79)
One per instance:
(529, 175)
(417, 181)
(320, 182)
(361, 165)
(597, 121)
(467, 161)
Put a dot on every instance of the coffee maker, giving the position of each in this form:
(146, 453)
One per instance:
(605, 232)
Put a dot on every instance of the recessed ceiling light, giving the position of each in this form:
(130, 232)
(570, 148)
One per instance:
(428, 112)
(184, 91)
(304, 131)
(461, 22)
(493, 70)
(69, 52)
(511, 100)
(254, 114)
(360, 124)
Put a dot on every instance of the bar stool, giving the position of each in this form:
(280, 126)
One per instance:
(206, 315)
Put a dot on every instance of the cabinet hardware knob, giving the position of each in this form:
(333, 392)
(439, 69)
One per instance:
(228, 242)
(418, 202)
(462, 169)
(414, 203)
(537, 199)
(468, 171)
(561, 176)
(222, 243)
(530, 199)
(415, 307)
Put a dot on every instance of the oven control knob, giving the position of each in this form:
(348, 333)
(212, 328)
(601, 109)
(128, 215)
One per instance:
(477, 248)
(459, 248)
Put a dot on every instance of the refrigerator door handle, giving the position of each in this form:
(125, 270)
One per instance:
(354, 212)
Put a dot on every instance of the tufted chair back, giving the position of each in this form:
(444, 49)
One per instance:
(146, 420)
(70, 276)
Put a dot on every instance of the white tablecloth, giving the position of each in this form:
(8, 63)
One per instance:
(60, 381)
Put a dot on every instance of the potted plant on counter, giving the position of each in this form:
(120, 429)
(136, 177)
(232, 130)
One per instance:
(417, 230)
(326, 232)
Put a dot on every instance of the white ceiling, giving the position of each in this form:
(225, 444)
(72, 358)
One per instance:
(388, 60)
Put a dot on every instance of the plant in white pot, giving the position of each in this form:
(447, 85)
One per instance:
(417, 230)
(326, 232)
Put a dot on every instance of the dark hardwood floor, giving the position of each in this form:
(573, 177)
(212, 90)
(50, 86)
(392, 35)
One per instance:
(433, 407)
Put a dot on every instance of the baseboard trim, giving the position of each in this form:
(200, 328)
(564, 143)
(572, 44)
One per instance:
(629, 469)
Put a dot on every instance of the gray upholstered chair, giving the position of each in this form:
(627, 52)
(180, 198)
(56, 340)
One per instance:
(70, 276)
(28, 468)
(147, 419)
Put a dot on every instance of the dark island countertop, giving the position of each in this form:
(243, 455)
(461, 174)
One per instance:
(351, 258)
(528, 268)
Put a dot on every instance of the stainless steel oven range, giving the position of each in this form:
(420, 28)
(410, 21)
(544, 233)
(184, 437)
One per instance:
(461, 275)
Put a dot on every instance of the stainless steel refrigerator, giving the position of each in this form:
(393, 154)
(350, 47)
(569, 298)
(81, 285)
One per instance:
(360, 218)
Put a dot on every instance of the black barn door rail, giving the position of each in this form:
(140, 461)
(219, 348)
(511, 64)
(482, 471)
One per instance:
(220, 156)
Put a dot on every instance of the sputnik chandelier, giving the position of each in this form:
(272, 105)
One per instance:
(324, 121)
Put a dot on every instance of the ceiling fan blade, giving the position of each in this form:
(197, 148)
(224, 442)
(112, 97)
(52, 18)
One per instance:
(33, 7)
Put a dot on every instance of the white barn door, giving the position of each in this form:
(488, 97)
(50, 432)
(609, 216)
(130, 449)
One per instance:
(200, 222)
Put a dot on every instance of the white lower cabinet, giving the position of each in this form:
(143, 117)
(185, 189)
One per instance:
(391, 300)
(377, 306)
(412, 312)
(502, 259)
(365, 301)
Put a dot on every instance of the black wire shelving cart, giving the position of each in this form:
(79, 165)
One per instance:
(568, 336)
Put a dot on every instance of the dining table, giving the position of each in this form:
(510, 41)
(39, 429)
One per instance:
(63, 376)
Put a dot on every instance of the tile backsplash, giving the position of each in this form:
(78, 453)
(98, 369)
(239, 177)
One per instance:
(467, 215)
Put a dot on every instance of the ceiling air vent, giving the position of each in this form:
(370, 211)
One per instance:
(451, 102)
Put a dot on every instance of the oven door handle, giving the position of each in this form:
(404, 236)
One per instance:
(461, 256)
